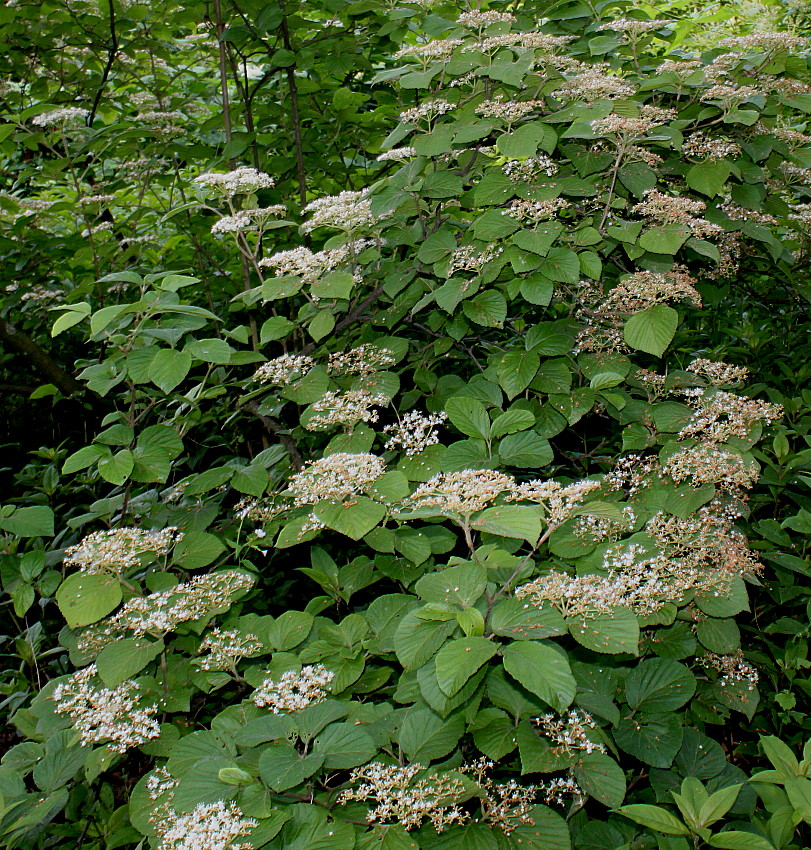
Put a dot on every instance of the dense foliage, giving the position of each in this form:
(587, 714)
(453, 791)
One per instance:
(416, 412)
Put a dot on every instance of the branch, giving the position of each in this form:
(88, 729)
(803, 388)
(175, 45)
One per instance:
(350, 318)
(112, 52)
(20, 389)
(40, 359)
(276, 429)
(295, 115)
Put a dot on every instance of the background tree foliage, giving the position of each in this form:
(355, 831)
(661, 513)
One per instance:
(383, 465)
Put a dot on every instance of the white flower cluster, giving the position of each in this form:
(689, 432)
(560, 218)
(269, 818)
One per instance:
(571, 732)
(362, 360)
(460, 493)
(719, 415)
(311, 265)
(632, 580)
(226, 648)
(60, 117)
(535, 211)
(106, 715)
(593, 85)
(472, 259)
(717, 372)
(336, 477)
(163, 611)
(439, 49)
(414, 432)
(702, 146)
(632, 27)
(429, 110)
(712, 464)
(561, 500)
(232, 223)
(293, 690)
(284, 370)
(529, 169)
(484, 19)
(401, 797)
(676, 209)
(209, 826)
(397, 155)
(733, 668)
(633, 127)
(344, 409)
(557, 791)
(509, 111)
(347, 211)
(240, 181)
(120, 549)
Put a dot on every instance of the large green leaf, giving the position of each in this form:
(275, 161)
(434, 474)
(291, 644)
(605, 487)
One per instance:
(610, 633)
(708, 177)
(458, 660)
(169, 367)
(425, 736)
(600, 777)
(542, 670)
(652, 738)
(84, 599)
(652, 330)
(125, 658)
(344, 745)
(281, 767)
(659, 685)
(355, 519)
(469, 415)
(516, 369)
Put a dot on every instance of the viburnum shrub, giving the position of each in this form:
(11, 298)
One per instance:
(522, 514)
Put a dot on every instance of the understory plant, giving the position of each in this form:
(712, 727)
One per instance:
(430, 534)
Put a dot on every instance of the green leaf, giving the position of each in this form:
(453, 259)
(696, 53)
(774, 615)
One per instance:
(344, 745)
(123, 659)
(416, 641)
(425, 736)
(355, 520)
(609, 633)
(651, 330)
(525, 140)
(35, 521)
(544, 830)
(117, 468)
(460, 585)
(252, 479)
(197, 549)
(71, 316)
(658, 684)
(512, 421)
(654, 739)
(169, 367)
(654, 817)
(666, 239)
(516, 521)
(562, 265)
(737, 840)
(515, 371)
(469, 416)
(281, 767)
(488, 308)
(321, 325)
(542, 670)
(600, 777)
(83, 599)
(527, 450)
(458, 660)
(210, 350)
(515, 619)
(708, 177)
(333, 285)
(276, 327)
(539, 240)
